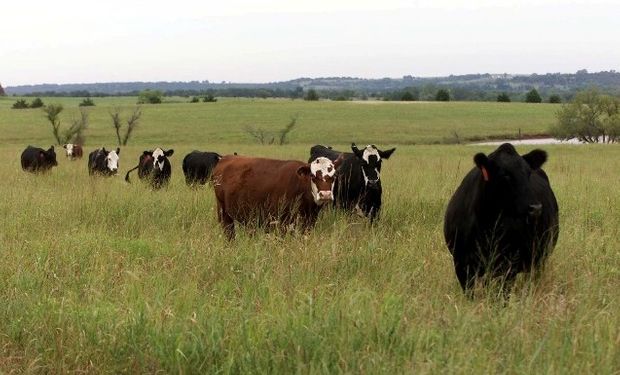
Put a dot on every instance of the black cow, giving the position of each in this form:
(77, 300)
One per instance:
(35, 159)
(502, 219)
(358, 184)
(197, 166)
(154, 166)
(103, 162)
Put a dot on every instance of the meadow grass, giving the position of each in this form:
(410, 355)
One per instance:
(97, 275)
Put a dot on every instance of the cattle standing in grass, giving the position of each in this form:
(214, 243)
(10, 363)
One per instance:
(73, 151)
(154, 166)
(36, 159)
(502, 219)
(103, 162)
(260, 191)
(197, 166)
(358, 187)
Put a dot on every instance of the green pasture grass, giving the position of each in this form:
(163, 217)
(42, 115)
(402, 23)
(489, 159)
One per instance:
(227, 120)
(100, 276)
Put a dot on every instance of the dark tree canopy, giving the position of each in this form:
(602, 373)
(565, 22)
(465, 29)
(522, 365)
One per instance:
(555, 98)
(503, 97)
(442, 95)
(533, 97)
(311, 95)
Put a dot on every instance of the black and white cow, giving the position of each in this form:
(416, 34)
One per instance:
(197, 166)
(502, 219)
(154, 166)
(103, 162)
(358, 186)
(35, 159)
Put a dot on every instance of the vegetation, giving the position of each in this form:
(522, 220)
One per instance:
(503, 97)
(533, 97)
(117, 124)
(209, 99)
(73, 134)
(37, 103)
(590, 117)
(264, 137)
(150, 97)
(2, 93)
(87, 102)
(555, 99)
(195, 99)
(20, 104)
(311, 95)
(442, 95)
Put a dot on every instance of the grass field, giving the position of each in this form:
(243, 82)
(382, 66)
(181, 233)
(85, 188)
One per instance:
(100, 276)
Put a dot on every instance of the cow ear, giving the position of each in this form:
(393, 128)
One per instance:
(64, 146)
(147, 153)
(387, 153)
(168, 153)
(482, 162)
(51, 148)
(338, 161)
(118, 150)
(356, 151)
(304, 171)
(104, 150)
(536, 158)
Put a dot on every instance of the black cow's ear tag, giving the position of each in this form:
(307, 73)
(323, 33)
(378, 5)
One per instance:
(485, 174)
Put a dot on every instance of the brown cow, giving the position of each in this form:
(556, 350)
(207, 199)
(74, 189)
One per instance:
(259, 191)
(73, 151)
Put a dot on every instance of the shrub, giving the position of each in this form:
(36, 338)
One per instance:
(555, 99)
(407, 97)
(503, 97)
(87, 102)
(36, 103)
(311, 95)
(533, 97)
(195, 99)
(150, 97)
(209, 99)
(442, 95)
(20, 104)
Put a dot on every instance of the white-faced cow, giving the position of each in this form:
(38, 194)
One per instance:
(358, 187)
(73, 151)
(198, 166)
(502, 219)
(35, 159)
(259, 191)
(103, 162)
(154, 166)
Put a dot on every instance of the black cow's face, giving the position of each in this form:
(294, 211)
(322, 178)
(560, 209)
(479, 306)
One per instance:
(507, 176)
(370, 159)
(159, 157)
(50, 156)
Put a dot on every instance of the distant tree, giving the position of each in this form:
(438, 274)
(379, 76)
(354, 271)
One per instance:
(407, 97)
(20, 104)
(36, 103)
(297, 93)
(209, 99)
(533, 97)
(195, 99)
(2, 93)
(87, 102)
(341, 98)
(442, 95)
(132, 123)
(150, 97)
(75, 132)
(590, 117)
(503, 97)
(311, 95)
(555, 98)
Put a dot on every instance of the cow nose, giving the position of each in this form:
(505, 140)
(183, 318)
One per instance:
(535, 210)
(325, 195)
(373, 183)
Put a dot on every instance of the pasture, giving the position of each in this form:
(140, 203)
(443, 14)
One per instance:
(97, 275)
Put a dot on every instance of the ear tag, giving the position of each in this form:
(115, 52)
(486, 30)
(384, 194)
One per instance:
(485, 174)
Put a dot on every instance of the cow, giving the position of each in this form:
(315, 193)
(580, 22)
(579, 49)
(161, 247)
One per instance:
(502, 219)
(197, 166)
(358, 186)
(103, 162)
(154, 166)
(262, 191)
(73, 151)
(35, 159)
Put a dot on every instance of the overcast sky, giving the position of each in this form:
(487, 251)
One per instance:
(68, 41)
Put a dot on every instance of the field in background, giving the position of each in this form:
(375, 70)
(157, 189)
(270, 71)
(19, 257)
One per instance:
(100, 276)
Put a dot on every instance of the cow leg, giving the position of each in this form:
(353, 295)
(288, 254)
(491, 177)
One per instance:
(228, 224)
(466, 277)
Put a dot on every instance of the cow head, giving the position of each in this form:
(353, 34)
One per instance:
(370, 160)
(68, 149)
(111, 160)
(506, 176)
(49, 156)
(322, 173)
(159, 158)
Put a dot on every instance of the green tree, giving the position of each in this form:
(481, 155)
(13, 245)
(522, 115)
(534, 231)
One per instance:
(442, 95)
(407, 97)
(533, 97)
(209, 99)
(590, 117)
(87, 102)
(555, 98)
(36, 103)
(150, 97)
(20, 104)
(195, 99)
(503, 97)
(311, 95)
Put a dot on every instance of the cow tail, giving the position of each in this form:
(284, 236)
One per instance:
(129, 171)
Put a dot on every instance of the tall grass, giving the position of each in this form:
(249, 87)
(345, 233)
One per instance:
(97, 275)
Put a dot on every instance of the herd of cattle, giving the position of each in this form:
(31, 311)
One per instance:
(502, 219)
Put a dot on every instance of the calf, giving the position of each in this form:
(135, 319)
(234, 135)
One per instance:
(35, 159)
(259, 191)
(197, 166)
(154, 166)
(73, 151)
(358, 187)
(502, 219)
(103, 162)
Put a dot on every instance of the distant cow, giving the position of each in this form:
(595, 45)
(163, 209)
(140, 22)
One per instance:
(358, 187)
(154, 166)
(503, 218)
(35, 159)
(197, 166)
(103, 162)
(258, 191)
(73, 151)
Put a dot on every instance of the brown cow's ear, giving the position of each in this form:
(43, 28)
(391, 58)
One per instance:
(338, 161)
(482, 162)
(304, 171)
(536, 158)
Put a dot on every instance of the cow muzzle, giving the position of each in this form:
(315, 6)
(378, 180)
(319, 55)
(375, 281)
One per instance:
(534, 210)
(325, 195)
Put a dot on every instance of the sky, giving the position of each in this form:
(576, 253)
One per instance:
(69, 41)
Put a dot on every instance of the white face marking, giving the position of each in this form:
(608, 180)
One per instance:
(156, 154)
(69, 149)
(368, 151)
(112, 161)
(327, 168)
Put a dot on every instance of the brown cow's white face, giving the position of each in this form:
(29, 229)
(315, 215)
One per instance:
(112, 161)
(322, 171)
(68, 149)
